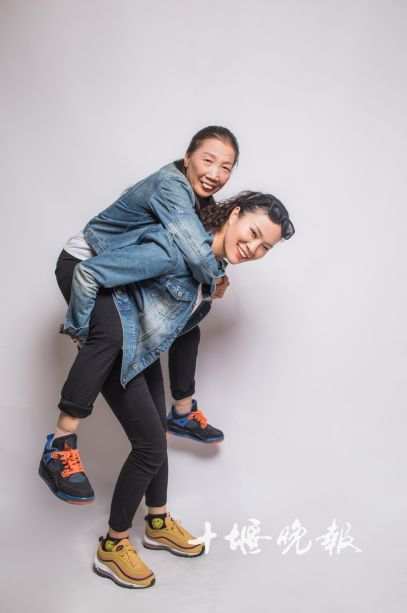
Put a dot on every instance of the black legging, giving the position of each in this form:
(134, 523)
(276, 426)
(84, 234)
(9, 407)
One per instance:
(140, 408)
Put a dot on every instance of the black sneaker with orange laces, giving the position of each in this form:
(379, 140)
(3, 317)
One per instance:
(193, 425)
(62, 470)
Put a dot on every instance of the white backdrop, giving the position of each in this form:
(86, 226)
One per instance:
(303, 364)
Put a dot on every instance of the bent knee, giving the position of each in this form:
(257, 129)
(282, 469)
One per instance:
(153, 452)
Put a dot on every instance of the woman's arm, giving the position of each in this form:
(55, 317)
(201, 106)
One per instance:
(173, 204)
(153, 255)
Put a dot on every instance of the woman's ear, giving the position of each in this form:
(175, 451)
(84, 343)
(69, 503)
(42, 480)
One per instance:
(234, 216)
(186, 161)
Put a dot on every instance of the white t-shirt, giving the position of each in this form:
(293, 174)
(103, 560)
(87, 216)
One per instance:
(80, 248)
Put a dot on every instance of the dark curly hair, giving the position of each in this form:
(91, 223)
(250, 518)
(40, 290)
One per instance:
(218, 132)
(215, 214)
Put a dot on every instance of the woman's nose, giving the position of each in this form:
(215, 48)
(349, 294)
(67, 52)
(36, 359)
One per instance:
(254, 247)
(251, 248)
(213, 173)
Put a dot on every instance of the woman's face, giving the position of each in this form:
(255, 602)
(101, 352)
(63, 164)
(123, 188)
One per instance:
(249, 236)
(209, 167)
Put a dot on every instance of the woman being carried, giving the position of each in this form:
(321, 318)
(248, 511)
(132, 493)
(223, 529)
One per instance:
(169, 198)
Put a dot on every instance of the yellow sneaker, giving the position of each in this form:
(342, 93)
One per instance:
(171, 536)
(123, 565)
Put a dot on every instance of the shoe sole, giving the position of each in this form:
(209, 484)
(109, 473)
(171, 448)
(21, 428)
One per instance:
(195, 438)
(64, 497)
(150, 544)
(104, 571)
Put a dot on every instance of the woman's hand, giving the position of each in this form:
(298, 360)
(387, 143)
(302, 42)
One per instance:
(221, 286)
(77, 342)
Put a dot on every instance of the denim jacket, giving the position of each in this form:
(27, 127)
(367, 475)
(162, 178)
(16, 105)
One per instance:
(165, 197)
(155, 273)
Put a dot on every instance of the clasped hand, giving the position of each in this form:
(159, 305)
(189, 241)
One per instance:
(221, 286)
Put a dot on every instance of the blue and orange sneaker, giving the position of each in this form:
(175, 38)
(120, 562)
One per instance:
(193, 425)
(62, 470)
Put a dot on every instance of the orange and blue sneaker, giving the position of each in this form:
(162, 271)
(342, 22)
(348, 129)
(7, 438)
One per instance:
(119, 561)
(193, 425)
(164, 532)
(62, 470)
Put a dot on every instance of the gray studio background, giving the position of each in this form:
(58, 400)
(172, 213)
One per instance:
(303, 364)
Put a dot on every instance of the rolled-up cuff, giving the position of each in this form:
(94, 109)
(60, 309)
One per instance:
(73, 409)
(155, 502)
(78, 334)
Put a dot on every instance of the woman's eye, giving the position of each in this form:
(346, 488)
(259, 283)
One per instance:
(253, 233)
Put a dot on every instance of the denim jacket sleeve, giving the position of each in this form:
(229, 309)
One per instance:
(153, 256)
(173, 204)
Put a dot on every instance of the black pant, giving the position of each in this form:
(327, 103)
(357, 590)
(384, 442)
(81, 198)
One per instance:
(104, 345)
(140, 408)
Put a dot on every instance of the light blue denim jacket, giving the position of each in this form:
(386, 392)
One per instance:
(155, 272)
(165, 197)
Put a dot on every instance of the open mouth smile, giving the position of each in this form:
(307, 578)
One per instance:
(207, 186)
(242, 253)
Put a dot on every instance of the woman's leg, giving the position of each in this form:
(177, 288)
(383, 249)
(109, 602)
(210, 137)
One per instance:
(185, 419)
(96, 358)
(140, 408)
(182, 358)
(144, 426)
(156, 493)
(61, 467)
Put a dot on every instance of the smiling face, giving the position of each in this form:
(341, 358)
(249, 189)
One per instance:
(246, 237)
(209, 167)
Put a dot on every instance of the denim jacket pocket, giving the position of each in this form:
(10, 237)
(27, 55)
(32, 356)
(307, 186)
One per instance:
(178, 291)
(169, 299)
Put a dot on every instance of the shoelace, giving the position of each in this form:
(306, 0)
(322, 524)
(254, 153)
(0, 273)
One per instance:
(175, 525)
(71, 461)
(199, 417)
(127, 550)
